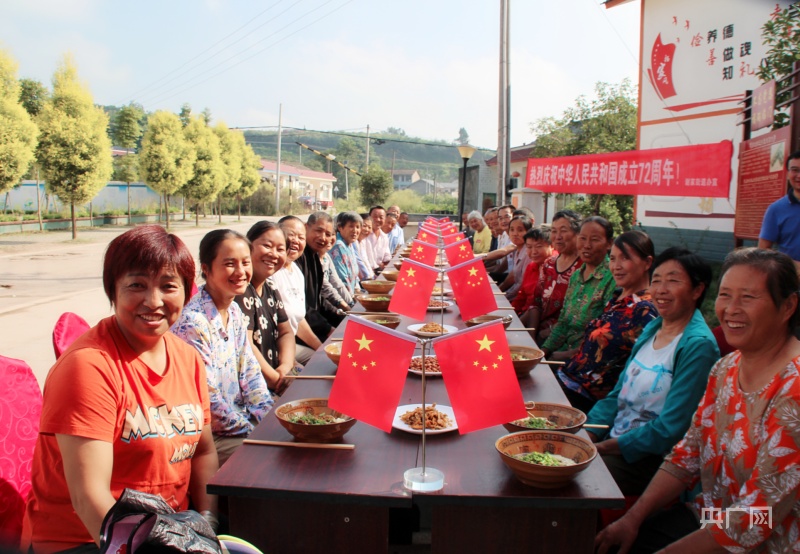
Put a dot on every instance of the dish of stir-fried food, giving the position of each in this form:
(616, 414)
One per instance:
(432, 328)
(434, 419)
(431, 364)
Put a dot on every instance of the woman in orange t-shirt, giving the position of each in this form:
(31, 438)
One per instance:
(126, 406)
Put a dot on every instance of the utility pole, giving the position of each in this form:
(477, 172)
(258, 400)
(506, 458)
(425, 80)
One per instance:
(367, 163)
(278, 168)
(346, 184)
(503, 141)
(394, 154)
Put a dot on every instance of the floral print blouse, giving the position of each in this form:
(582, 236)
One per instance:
(237, 391)
(745, 449)
(607, 342)
(584, 301)
(548, 296)
(345, 263)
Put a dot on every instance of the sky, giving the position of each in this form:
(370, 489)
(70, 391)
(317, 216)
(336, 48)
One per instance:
(429, 67)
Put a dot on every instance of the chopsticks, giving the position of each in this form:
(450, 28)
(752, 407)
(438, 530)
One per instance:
(327, 377)
(552, 363)
(521, 329)
(301, 444)
(595, 426)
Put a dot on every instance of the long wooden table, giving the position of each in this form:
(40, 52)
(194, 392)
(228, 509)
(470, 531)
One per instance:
(302, 500)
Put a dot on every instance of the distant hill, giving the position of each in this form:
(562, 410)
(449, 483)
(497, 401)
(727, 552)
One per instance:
(432, 159)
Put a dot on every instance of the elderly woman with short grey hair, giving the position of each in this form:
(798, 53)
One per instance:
(482, 239)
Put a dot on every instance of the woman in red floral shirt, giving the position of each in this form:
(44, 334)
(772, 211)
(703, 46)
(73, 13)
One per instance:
(548, 296)
(744, 442)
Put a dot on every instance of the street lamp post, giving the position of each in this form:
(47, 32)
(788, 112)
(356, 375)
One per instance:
(465, 151)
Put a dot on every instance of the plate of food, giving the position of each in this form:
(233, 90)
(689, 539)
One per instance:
(438, 291)
(435, 305)
(440, 419)
(430, 330)
(431, 366)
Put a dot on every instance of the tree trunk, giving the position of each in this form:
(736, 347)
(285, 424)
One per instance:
(239, 202)
(166, 204)
(5, 204)
(38, 202)
(160, 201)
(184, 208)
(219, 207)
(197, 215)
(130, 219)
(91, 215)
(74, 222)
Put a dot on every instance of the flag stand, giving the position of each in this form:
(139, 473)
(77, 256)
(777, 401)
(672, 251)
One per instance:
(424, 479)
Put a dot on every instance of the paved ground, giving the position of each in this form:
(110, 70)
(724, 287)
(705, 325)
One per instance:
(43, 275)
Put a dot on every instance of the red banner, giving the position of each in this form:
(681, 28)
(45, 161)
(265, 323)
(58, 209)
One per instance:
(702, 170)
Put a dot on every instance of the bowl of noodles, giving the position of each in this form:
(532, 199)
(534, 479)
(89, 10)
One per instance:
(390, 321)
(311, 420)
(374, 302)
(525, 358)
(390, 274)
(377, 287)
(548, 417)
(545, 459)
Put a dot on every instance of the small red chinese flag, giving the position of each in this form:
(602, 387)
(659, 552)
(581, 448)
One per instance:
(459, 252)
(479, 377)
(444, 220)
(426, 235)
(423, 252)
(413, 290)
(450, 239)
(372, 372)
(448, 229)
(432, 221)
(471, 288)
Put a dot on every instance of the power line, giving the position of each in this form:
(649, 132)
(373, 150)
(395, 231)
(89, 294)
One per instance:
(181, 89)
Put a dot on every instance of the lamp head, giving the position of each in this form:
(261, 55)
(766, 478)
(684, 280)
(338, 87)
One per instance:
(466, 151)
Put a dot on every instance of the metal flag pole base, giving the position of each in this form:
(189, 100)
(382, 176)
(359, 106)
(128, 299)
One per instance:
(423, 479)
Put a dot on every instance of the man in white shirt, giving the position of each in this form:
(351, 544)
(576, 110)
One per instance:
(378, 240)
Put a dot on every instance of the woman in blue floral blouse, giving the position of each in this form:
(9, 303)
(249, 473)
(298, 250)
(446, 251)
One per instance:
(215, 325)
(593, 370)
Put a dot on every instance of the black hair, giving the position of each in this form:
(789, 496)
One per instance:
(572, 217)
(698, 270)
(209, 245)
(638, 242)
(793, 156)
(602, 222)
(319, 216)
(373, 208)
(538, 234)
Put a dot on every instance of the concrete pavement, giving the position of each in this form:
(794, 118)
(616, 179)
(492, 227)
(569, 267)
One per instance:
(43, 275)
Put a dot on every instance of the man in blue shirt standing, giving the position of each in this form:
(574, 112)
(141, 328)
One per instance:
(781, 224)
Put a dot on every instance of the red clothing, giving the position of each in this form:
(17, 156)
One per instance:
(99, 389)
(551, 289)
(525, 295)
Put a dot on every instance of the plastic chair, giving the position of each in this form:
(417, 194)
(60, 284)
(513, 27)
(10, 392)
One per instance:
(69, 327)
(20, 409)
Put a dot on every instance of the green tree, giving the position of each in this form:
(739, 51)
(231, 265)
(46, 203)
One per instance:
(208, 177)
(166, 159)
(376, 186)
(185, 114)
(74, 148)
(463, 136)
(606, 123)
(206, 115)
(126, 133)
(782, 37)
(18, 132)
(231, 145)
(251, 178)
(33, 96)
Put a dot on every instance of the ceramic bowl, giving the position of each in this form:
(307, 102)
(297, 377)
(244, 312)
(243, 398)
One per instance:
(334, 351)
(328, 432)
(565, 418)
(487, 318)
(390, 274)
(390, 321)
(579, 450)
(374, 302)
(377, 287)
(532, 358)
(397, 264)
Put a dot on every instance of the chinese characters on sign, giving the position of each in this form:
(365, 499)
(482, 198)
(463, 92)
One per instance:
(700, 171)
(762, 108)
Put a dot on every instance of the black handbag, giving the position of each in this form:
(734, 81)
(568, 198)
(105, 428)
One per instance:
(144, 523)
